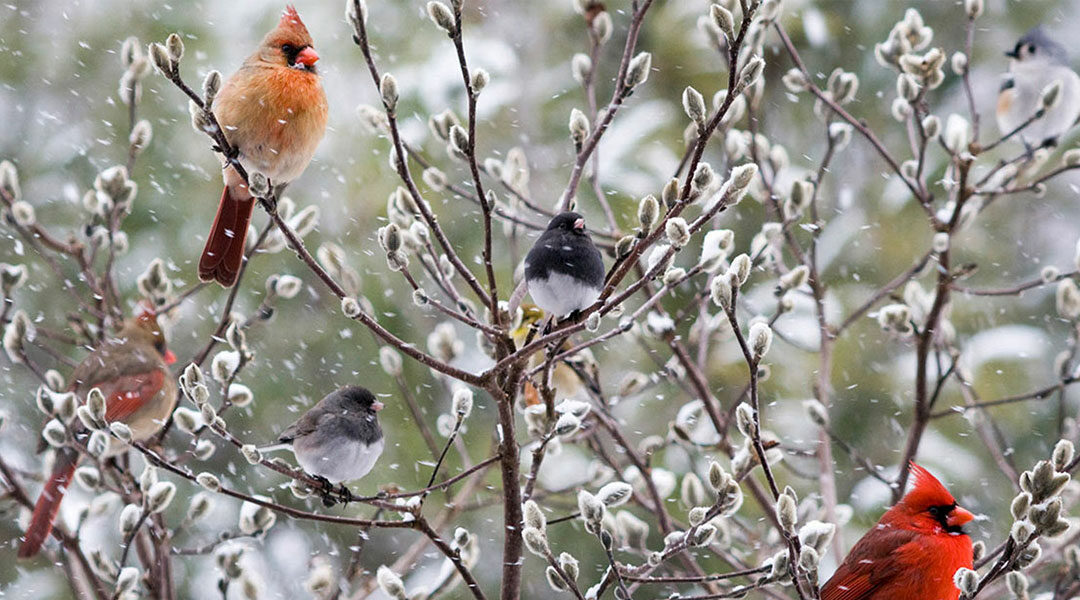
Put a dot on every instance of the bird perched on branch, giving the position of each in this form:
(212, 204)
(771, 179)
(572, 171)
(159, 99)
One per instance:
(564, 270)
(913, 551)
(273, 112)
(1037, 63)
(339, 439)
(131, 371)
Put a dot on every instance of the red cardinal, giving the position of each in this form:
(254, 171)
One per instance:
(273, 111)
(131, 370)
(913, 551)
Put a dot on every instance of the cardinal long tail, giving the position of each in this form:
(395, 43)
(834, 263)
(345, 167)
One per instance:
(224, 251)
(48, 504)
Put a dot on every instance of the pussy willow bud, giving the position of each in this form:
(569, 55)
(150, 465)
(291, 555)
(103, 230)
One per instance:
(1062, 455)
(817, 412)
(388, 90)
(23, 213)
(1051, 94)
(740, 267)
(751, 72)
(614, 493)
(478, 80)
(760, 339)
(581, 68)
(175, 46)
(966, 581)
(442, 16)
(55, 433)
(129, 518)
(211, 86)
(535, 541)
(95, 401)
(579, 127)
(160, 495)
(959, 63)
(795, 278)
(678, 232)
(694, 105)
(462, 402)
(208, 481)
(534, 516)
(648, 213)
(9, 180)
(161, 59)
(638, 70)
(121, 431)
(931, 126)
(744, 419)
(724, 21)
(957, 134)
(786, 513)
(808, 560)
(389, 581)
(624, 246)
(973, 8)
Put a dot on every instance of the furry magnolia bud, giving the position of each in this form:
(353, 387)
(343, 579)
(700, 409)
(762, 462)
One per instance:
(442, 16)
(723, 20)
(966, 580)
(579, 127)
(462, 402)
(694, 105)
(678, 232)
(760, 339)
(786, 513)
(389, 581)
(638, 70)
(388, 89)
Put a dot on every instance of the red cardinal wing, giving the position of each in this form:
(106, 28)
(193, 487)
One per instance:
(127, 393)
(872, 564)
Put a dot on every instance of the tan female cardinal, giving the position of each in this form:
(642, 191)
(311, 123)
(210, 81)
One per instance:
(273, 111)
(131, 370)
(913, 552)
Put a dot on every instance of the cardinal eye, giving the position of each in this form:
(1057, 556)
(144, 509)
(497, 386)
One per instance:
(160, 347)
(287, 48)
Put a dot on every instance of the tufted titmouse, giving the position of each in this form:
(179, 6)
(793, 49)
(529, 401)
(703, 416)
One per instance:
(1037, 63)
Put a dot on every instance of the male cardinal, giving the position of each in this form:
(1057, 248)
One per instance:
(131, 370)
(273, 111)
(913, 551)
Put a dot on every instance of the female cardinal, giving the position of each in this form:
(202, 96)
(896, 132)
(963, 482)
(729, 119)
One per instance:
(913, 552)
(131, 370)
(273, 112)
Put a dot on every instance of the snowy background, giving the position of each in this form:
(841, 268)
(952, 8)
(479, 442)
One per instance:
(61, 122)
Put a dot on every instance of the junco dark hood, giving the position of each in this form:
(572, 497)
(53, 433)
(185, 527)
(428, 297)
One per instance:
(564, 270)
(339, 438)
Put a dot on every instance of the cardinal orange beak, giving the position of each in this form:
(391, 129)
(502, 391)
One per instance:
(959, 516)
(307, 57)
(377, 406)
(170, 358)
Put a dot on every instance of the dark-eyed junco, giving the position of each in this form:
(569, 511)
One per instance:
(1037, 63)
(564, 270)
(338, 439)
